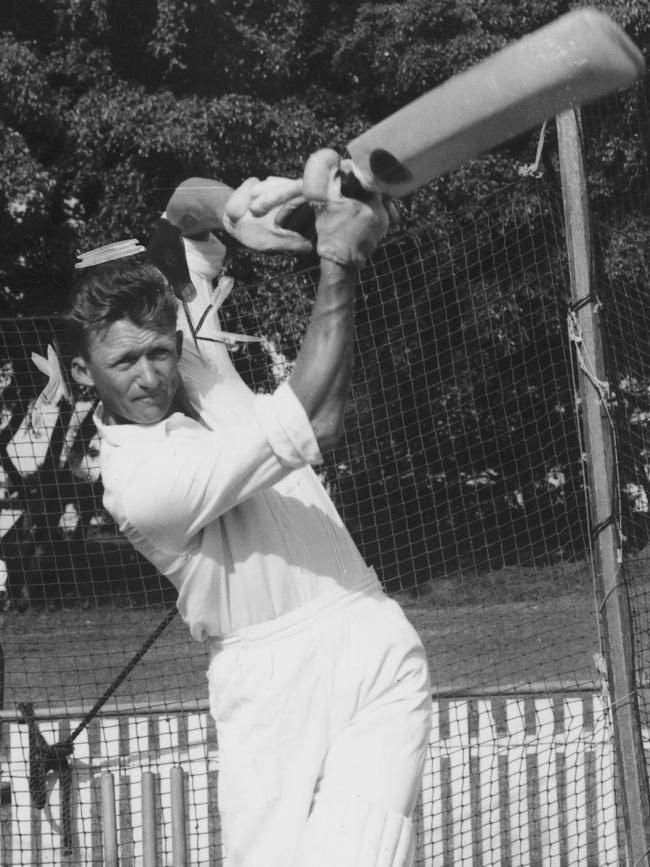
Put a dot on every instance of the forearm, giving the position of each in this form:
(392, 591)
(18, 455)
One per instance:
(197, 206)
(323, 370)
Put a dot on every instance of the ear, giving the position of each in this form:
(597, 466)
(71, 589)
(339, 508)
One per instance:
(179, 343)
(80, 371)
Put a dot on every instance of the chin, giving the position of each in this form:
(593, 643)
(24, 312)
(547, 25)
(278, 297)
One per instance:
(145, 413)
(147, 418)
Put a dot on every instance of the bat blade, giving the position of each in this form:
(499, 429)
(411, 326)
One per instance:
(580, 56)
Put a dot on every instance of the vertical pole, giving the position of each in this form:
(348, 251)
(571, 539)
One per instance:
(149, 847)
(613, 601)
(109, 820)
(179, 842)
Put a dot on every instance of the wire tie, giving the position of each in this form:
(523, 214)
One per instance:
(622, 699)
(602, 525)
(591, 298)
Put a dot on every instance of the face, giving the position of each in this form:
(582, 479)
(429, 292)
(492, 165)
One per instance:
(134, 369)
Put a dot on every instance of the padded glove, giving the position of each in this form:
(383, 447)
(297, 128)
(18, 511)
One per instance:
(348, 229)
(255, 212)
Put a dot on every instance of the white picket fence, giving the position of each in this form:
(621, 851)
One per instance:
(517, 782)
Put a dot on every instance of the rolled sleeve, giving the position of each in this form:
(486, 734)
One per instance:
(287, 428)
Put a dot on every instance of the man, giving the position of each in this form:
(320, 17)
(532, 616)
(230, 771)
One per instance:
(317, 682)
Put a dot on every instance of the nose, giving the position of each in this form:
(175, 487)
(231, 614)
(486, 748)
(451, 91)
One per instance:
(147, 376)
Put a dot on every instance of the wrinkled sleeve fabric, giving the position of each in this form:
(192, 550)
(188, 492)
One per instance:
(287, 428)
(186, 479)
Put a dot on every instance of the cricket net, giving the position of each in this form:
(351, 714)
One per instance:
(461, 477)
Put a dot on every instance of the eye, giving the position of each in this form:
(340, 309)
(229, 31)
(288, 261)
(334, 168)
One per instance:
(160, 353)
(124, 363)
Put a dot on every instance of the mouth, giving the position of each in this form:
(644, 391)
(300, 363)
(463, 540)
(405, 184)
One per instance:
(151, 397)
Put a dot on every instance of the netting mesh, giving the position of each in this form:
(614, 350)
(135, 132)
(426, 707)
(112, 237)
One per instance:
(460, 476)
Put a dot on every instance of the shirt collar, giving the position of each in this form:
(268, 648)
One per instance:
(129, 434)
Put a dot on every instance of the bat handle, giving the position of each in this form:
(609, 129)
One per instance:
(352, 188)
(303, 220)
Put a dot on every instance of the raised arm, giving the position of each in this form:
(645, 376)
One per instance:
(323, 370)
(348, 232)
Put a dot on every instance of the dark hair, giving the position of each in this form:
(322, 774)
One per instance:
(122, 289)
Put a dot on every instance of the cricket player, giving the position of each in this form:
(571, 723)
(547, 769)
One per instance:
(317, 682)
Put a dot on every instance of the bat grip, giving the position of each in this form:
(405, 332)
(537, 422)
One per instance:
(352, 188)
(303, 219)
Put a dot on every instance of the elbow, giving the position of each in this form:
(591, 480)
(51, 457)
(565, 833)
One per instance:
(180, 212)
(186, 208)
(196, 206)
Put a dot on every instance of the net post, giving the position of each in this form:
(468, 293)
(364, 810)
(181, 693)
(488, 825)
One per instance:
(601, 484)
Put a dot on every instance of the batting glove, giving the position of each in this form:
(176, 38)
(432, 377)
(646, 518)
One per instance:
(256, 211)
(348, 229)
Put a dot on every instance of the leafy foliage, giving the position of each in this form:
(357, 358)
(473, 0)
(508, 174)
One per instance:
(105, 105)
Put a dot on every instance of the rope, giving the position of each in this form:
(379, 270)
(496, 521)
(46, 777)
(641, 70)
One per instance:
(585, 362)
(126, 671)
(533, 170)
(47, 758)
(641, 858)
(602, 389)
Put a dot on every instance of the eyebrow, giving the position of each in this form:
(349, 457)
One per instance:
(129, 354)
(125, 356)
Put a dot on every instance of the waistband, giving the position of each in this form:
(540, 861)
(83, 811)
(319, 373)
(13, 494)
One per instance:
(300, 618)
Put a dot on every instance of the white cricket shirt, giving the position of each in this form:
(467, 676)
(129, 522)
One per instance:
(229, 510)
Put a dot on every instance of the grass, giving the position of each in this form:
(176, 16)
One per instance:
(515, 626)
(510, 584)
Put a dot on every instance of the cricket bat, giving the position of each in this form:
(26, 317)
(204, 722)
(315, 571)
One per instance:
(578, 57)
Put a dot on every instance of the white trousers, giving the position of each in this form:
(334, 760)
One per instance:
(323, 720)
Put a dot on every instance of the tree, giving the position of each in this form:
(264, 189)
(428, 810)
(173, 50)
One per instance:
(111, 103)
